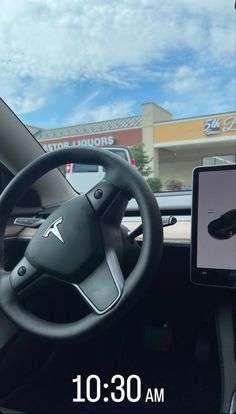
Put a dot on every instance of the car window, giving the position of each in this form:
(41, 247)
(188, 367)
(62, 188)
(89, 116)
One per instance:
(155, 77)
(80, 168)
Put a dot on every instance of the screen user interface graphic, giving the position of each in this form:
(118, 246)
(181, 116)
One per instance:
(216, 228)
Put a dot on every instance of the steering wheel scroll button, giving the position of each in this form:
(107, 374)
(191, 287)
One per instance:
(21, 271)
(98, 194)
(23, 275)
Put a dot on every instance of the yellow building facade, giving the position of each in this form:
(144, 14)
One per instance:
(180, 145)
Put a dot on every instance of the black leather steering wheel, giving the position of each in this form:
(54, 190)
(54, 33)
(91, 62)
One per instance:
(79, 244)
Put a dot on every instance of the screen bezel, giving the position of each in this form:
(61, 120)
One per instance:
(211, 277)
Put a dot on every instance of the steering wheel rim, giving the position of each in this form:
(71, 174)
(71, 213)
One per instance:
(121, 178)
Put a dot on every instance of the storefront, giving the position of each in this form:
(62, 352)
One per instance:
(181, 145)
(175, 146)
(125, 131)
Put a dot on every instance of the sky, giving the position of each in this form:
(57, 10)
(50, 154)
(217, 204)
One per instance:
(71, 62)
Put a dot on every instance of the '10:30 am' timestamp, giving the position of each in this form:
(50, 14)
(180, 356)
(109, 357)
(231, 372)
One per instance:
(119, 389)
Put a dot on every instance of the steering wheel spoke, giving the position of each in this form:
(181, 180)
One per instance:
(103, 288)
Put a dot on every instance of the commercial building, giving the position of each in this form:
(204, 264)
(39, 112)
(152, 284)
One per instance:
(176, 146)
(180, 145)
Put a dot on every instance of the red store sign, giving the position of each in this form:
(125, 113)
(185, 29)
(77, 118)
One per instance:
(125, 138)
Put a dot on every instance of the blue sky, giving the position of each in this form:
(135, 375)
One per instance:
(65, 63)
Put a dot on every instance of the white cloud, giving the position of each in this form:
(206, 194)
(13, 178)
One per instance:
(186, 80)
(190, 90)
(52, 41)
(88, 113)
(26, 104)
(195, 93)
(21, 96)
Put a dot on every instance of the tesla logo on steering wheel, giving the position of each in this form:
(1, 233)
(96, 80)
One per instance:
(53, 228)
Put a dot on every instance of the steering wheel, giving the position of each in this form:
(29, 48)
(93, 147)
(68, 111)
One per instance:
(79, 244)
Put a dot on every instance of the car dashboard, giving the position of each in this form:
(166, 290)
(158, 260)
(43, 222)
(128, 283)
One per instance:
(194, 322)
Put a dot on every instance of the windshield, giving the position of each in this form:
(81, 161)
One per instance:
(154, 76)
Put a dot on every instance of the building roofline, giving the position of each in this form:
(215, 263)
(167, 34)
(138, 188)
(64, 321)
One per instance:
(90, 123)
(194, 117)
(110, 131)
(158, 106)
(33, 126)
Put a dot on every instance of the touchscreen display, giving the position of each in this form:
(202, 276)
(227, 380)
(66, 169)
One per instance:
(216, 241)
(214, 224)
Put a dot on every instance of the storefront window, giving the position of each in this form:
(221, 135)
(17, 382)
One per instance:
(219, 159)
